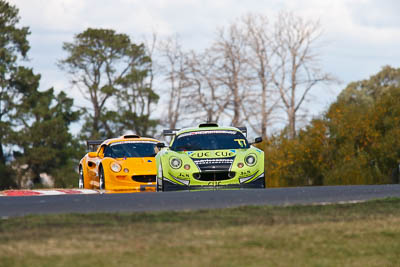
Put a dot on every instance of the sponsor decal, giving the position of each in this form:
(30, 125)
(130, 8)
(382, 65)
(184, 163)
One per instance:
(183, 175)
(244, 173)
(206, 132)
(201, 155)
(224, 153)
(213, 154)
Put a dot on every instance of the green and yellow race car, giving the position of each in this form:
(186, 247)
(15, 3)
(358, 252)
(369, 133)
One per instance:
(209, 157)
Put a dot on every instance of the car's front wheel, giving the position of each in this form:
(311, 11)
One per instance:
(81, 182)
(159, 182)
(102, 180)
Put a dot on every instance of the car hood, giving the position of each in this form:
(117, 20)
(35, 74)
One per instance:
(139, 165)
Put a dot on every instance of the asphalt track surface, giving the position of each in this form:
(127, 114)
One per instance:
(193, 200)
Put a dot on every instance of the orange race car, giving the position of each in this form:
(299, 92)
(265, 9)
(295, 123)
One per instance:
(124, 163)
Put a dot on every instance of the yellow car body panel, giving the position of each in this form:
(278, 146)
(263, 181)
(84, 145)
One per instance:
(136, 173)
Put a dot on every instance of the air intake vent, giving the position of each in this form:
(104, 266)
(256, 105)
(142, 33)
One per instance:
(131, 136)
(213, 176)
(208, 124)
(144, 178)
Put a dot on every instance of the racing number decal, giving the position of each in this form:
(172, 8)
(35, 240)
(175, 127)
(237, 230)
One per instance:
(241, 142)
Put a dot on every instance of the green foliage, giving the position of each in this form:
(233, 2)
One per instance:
(13, 42)
(363, 234)
(299, 161)
(44, 139)
(107, 66)
(13, 48)
(356, 142)
(7, 177)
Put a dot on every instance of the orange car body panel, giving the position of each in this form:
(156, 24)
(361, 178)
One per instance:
(132, 169)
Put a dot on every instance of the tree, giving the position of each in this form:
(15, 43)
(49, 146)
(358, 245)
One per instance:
(297, 69)
(368, 91)
(261, 54)
(253, 69)
(364, 128)
(104, 64)
(208, 99)
(232, 67)
(13, 48)
(218, 78)
(45, 144)
(357, 140)
(136, 99)
(175, 69)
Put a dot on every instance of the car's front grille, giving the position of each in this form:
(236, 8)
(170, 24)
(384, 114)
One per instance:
(144, 178)
(214, 165)
(213, 176)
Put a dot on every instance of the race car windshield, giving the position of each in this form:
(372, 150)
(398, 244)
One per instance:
(209, 140)
(130, 150)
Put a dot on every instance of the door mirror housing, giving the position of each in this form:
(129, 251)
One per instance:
(258, 140)
(160, 145)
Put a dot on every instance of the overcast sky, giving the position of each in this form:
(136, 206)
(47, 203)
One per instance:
(360, 36)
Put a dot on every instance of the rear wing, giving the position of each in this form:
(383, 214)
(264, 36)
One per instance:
(170, 132)
(243, 129)
(91, 145)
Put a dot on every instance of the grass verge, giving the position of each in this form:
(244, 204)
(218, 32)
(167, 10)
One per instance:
(364, 234)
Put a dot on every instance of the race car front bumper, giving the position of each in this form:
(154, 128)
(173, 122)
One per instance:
(168, 185)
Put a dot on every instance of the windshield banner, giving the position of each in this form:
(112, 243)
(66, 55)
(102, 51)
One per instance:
(212, 154)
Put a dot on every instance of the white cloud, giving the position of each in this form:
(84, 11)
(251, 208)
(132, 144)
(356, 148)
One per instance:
(379, 14)
(360, 36)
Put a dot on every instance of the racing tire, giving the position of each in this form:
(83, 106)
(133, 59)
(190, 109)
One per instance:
(81, 181)
(159, 187)
(102, 180)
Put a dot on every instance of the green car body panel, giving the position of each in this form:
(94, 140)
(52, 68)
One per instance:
(241, 166)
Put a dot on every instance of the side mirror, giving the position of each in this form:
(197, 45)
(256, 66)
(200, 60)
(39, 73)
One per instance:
(160, 145)
(92, 154)
(258, 140)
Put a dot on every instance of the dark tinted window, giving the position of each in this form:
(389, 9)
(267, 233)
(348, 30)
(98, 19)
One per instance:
(130, 150)
(209, 140)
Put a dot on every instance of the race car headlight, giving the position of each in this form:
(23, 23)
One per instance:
(175, 163)
(250, 160)
(115, 167)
